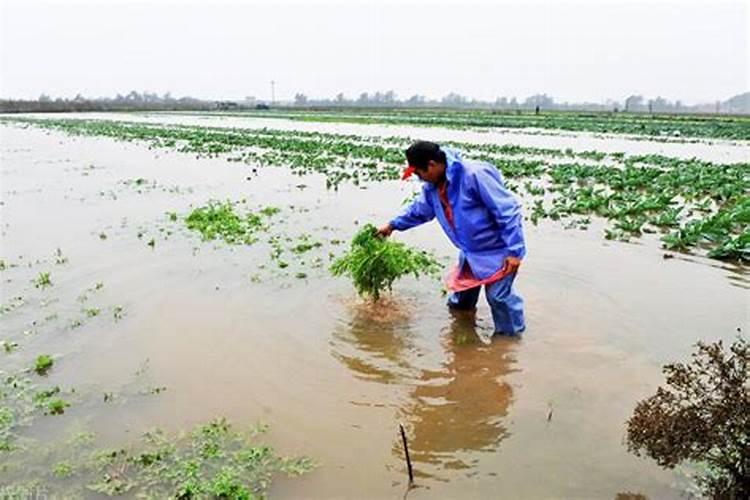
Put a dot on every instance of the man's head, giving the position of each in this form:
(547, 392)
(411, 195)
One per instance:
(427, 161)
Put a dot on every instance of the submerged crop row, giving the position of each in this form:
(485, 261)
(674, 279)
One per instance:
(649, 125)
(693, 203)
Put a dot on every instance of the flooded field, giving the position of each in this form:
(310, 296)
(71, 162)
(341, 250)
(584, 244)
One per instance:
(150, 326)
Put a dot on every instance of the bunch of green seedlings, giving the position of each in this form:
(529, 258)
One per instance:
(220, 220)
(43, 280)
(43, 364)
(374, 263)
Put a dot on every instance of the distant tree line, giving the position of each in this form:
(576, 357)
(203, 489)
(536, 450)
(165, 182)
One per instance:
(146, 101)
(634, 103)
(133, 101)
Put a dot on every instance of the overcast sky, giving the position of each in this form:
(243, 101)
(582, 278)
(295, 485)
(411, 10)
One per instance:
(572, 50)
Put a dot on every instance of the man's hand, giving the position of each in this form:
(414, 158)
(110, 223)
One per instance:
(512, 264)
(385, 231)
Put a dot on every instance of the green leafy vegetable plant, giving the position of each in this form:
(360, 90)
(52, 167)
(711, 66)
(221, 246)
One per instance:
(374, 263)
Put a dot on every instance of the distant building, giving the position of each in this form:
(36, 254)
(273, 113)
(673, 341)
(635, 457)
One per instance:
(225, 105)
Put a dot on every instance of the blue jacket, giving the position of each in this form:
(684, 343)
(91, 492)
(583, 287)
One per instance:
(486, 215)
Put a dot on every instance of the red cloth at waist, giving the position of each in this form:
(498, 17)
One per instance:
(458, 280)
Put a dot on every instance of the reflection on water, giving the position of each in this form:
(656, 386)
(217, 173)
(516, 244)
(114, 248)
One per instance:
(453, 409)
(460, 406)
(376, 342)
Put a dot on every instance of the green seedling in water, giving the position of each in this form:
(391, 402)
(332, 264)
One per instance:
(60, 258)
(21, 402)
(14, 304)
(93, 311)
(270, 211)
(533, 190)
(8, 420)
(733, 248)
(9, 346)
(154, 390)
(220, 220)
(43, 280)
(43, 397)
(374, 263)
(616, 234)
(57, 406)
(305, 246)
(63, 469)
(52, 405)
(118, 312)
(43, 364)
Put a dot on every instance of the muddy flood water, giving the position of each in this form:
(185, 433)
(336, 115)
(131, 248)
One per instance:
(219, 331)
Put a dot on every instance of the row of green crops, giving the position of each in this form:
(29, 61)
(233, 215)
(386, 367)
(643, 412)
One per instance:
(697, 204)
(653, 126)
(694, 203)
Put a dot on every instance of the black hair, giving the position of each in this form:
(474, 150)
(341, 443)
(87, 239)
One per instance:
(420, 153)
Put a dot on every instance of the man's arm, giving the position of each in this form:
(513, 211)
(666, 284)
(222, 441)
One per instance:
(419, 212)
(505, 209)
